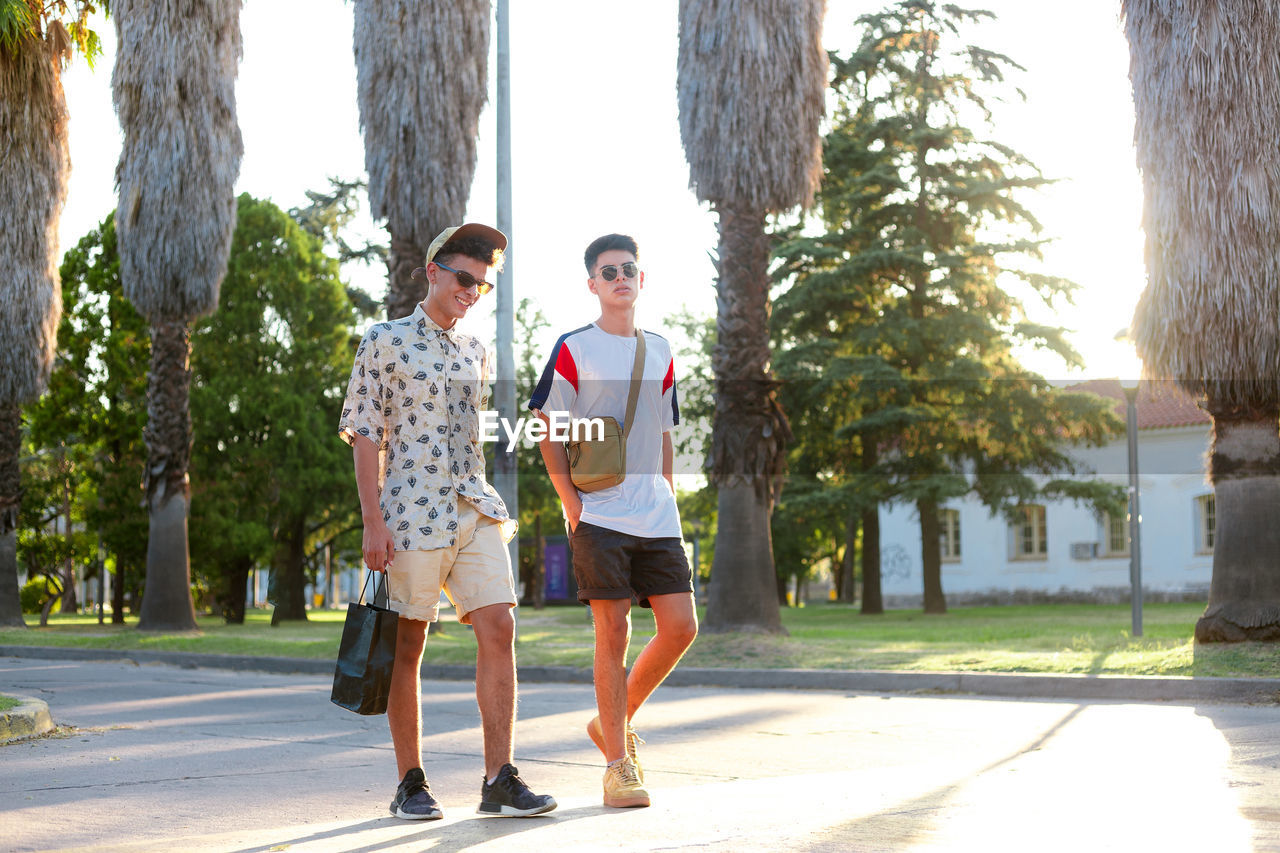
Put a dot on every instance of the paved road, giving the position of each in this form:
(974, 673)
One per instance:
(157, 757)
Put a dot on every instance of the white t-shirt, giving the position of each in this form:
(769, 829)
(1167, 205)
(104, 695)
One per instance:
(589, 375)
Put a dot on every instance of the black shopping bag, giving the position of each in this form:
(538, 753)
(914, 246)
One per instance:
(366, 657)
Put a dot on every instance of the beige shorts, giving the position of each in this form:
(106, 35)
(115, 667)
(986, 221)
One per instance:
(475, 572)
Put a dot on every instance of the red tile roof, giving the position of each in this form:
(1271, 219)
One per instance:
(1160, 404)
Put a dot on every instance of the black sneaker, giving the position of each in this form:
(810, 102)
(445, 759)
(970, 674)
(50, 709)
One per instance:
(413, 798)
(509, 796)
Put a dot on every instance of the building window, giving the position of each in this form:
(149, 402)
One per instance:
(949, 533)
(1030, 534)
(1207, 525)
(1116, 531)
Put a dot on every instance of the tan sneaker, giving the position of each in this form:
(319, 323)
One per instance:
(596, 733)
(622, 788)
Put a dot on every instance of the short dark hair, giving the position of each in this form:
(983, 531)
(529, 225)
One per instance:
(607, 243)
(476, 248)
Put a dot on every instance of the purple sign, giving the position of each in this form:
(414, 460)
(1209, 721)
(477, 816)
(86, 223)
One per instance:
(555, 561)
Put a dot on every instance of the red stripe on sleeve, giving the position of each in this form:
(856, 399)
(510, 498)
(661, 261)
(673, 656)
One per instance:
(670, 378)
(566, 367)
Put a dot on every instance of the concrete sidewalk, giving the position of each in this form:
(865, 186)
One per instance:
(157, 757)
(1132, 688)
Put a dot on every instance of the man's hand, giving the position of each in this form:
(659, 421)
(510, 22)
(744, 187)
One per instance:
(573, 510)
(379, 548)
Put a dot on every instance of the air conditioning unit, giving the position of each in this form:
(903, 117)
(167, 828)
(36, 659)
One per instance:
(1084, 550)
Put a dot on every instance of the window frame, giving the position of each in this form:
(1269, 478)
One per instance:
(951, 548)
(1040, 533)
(1206, 523)
(1107, 533)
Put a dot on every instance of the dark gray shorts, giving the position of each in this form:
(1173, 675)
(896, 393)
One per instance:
(609, 564)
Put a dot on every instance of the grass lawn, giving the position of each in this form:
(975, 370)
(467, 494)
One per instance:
(1063, 638)
(8, 703)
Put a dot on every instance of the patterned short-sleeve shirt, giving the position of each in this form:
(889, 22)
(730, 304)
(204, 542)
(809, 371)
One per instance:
(416, 391)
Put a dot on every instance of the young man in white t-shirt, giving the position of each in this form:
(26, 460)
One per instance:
(625, 539)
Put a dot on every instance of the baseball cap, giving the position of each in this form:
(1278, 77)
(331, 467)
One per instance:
(469, 229)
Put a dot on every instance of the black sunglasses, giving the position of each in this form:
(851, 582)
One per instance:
(466, 279)
(629, 270)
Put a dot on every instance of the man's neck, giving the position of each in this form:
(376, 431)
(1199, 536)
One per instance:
(445, 323)
(618, 321)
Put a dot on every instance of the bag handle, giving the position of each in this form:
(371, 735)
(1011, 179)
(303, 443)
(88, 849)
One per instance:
(384, 584)
(633, 393)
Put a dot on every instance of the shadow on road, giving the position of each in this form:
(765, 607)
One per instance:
(906, 823)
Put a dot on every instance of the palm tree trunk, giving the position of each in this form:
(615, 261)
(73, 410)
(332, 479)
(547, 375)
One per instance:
(749, 434)
(403, 293)
(10, 498)
(1244, 593)
(931, 556)
(166, 600)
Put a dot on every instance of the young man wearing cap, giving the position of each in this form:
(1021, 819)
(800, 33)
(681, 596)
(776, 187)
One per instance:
(431, 521)
(626, 538)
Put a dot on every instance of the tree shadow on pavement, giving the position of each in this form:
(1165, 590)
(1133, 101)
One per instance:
(1252, 733)
(905, 824)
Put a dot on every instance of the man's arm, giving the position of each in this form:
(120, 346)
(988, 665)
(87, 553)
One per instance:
(557, 462)
(379, 548)
(668, 461)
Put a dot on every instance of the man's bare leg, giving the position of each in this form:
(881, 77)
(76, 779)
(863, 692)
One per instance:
(404, 704)
(676, 621)
(496, 682)
(612, 618)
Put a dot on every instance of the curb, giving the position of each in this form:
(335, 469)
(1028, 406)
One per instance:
(1134, 688)
(28, 720)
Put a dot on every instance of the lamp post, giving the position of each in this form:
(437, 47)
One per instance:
(1130, 387)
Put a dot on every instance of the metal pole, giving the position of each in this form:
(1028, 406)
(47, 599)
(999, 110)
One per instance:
(505, 472)
(1135, 532)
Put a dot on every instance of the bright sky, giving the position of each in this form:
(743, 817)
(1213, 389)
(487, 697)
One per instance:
(596, 148)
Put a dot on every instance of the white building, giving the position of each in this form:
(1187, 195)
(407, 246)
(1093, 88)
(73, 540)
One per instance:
(1060, 551)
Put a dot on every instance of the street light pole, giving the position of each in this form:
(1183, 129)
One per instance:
(1135, 528)
(505, 476)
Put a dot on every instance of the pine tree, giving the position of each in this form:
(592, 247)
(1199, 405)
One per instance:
(901, 312)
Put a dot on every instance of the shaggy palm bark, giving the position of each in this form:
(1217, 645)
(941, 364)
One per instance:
(167, 598)
(173, 87)
(1206, 90)
(33, 186)
(751, 76)
(749, 433)
(422, 79)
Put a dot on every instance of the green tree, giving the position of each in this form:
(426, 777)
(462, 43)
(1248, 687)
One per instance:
(269, 372)
(900, 309)
(36, 41)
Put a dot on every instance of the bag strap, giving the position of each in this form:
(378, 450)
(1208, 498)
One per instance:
(382, 582)
(633, 393)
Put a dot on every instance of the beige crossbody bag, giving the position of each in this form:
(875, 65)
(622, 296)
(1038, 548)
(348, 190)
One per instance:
(601, 463)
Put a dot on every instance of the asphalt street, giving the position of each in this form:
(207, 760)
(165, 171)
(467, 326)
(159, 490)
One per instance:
(158, 757)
